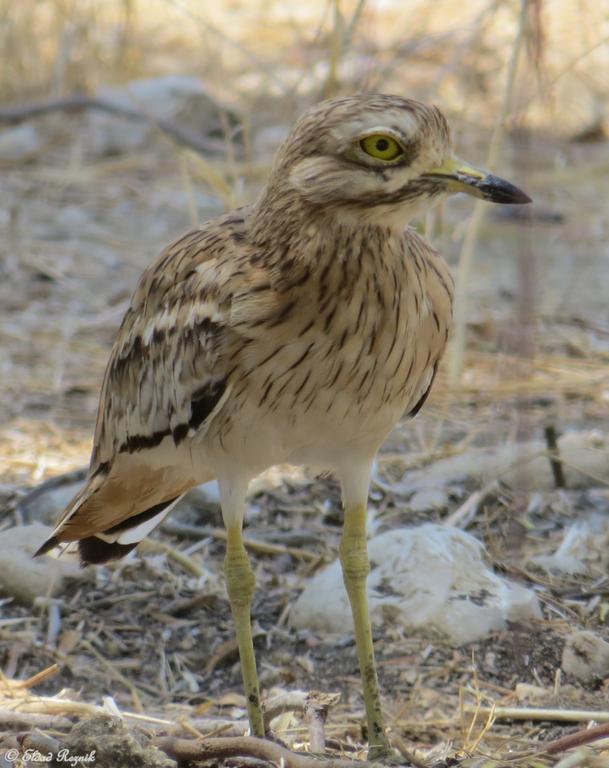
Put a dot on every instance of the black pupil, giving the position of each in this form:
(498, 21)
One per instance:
(382, 145)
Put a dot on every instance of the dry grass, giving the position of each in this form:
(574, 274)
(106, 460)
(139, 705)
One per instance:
(455, 52)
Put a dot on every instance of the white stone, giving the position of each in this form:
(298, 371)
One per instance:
(583, 549)
(586, 656)
(428, 498)
(26, 578)
(182, 99)
(427, 578)
(49, 505)
(521, 465)
(570, 555)
(20, 143)
(169, 97)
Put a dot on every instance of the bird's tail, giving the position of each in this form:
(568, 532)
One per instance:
(113, 512)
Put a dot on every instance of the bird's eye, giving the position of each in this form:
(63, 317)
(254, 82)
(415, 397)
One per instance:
(381, 146)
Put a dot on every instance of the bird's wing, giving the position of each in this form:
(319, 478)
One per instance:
(170, 371)
(167, 370)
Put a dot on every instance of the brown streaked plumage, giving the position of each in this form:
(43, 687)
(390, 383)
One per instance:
(298, 329)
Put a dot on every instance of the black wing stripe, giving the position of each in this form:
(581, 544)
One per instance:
(203, 402)
(421, 401)
(141, 517)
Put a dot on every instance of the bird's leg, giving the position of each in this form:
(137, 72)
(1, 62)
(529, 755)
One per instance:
(240, 585)
(356, 567)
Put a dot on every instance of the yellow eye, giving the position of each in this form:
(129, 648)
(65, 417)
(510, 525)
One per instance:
(381, 146)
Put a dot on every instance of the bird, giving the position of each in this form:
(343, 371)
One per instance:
(298, 329)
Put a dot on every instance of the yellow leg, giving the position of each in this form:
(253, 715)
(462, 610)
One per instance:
(240, 583)
(356, 567)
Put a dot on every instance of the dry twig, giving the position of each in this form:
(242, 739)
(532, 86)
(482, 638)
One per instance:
(178, 528)
(154, 546)
(577, 739)
(248, 746)
(554, 456)
(14, 720)
(465, 513)
(266, 548)
(290, 701)
(14, 686)
(316, 709)
(534, 713)
(77, 102)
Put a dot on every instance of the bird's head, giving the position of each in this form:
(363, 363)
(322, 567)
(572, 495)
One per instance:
(379, 158)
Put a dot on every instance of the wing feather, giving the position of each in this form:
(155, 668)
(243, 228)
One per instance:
(168, 374)
(168, 369)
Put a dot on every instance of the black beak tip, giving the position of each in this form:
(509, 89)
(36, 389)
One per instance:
(497, 190)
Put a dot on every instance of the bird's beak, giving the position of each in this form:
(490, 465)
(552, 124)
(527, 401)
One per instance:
(460, 177)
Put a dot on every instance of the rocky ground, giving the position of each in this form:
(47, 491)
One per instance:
(501, 602)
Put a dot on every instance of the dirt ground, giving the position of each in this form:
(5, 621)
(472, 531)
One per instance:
(152, 636)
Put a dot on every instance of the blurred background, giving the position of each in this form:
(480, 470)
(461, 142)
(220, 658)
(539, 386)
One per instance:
(124, 122)
(88, 197)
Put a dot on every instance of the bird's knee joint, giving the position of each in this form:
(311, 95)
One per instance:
(354, 558)
(240, 578)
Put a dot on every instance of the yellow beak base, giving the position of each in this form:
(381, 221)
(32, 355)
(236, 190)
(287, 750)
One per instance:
(460, 177)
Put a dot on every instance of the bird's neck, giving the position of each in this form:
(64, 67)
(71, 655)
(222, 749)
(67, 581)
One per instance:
(282, 218)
